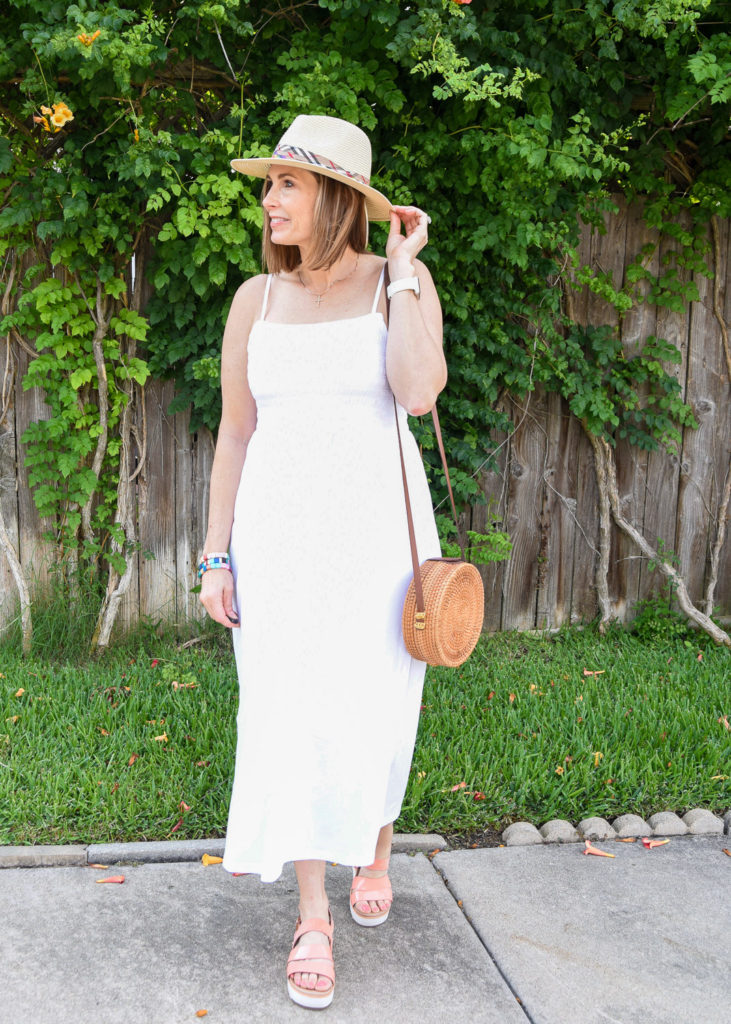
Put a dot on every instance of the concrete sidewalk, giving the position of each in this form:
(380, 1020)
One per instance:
(541, 934)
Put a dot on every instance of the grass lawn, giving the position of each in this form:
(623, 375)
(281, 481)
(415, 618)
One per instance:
(140, 745)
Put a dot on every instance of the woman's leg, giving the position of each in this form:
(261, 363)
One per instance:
(383, 852)
(313, 903)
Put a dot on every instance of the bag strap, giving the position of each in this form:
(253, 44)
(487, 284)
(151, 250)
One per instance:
(418, 589)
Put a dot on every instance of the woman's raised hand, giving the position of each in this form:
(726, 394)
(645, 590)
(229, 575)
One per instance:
(217, 597)
(402, 249)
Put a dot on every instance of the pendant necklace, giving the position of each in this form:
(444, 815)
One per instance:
(318, 298)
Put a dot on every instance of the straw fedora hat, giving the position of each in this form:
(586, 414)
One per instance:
(329, 146)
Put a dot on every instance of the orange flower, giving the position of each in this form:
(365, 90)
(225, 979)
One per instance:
(61, 114)
(87, 40)
(589, 849)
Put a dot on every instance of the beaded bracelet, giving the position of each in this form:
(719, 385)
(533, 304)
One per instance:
(214, 560)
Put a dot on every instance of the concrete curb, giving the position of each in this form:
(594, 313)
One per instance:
(171, 851)
(697, 821)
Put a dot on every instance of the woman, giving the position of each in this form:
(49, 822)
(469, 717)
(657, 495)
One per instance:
(306, 490)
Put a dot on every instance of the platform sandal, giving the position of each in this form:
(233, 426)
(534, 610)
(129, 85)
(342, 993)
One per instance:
(366, 890)
(312, 959)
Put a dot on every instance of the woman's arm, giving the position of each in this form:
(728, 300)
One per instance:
(238, 422)
(415, 363)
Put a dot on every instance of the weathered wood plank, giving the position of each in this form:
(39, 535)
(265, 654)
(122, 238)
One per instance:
(607, 255)
(494, 488)
(584, 605)
(185, 552)
(706, 391)
(558, 516)
(663, 468)
(8, 492)
(204, 451)
(525, 490)
(194, 459)
(722, 448)
(632, 463)
(156, 503)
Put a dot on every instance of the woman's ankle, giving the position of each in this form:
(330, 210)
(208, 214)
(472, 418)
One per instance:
(314, 907)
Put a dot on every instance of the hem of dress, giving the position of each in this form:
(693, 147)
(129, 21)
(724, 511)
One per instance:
(266, 873)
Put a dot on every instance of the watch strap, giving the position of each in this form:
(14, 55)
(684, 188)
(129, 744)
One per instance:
(402, 285)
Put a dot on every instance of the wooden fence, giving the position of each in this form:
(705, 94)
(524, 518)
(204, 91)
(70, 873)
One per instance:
(544, 489)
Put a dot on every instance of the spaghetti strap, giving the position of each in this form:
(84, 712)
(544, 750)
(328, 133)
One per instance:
(262, 315)
(378, 290)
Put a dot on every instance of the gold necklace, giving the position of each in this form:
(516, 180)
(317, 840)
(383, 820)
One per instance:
(318, 298)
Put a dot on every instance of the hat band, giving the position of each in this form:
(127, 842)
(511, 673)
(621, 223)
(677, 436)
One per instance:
(306, 156)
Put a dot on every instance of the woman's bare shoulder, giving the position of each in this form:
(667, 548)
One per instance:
(250, 291)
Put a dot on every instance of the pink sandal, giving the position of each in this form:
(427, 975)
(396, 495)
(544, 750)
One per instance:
(312, 959)
(364, 890)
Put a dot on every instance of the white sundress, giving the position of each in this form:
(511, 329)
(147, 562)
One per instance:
(329, 696)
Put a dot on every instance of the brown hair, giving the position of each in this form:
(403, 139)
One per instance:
(340, 220)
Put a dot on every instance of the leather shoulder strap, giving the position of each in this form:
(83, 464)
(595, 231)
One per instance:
(419, 593)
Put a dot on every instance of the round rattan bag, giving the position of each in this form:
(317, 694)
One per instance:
(448, 629)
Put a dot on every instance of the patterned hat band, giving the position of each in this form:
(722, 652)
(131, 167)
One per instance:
(285, 152)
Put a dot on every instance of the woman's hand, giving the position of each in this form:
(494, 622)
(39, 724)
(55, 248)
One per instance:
(217, 596)
(402, 249)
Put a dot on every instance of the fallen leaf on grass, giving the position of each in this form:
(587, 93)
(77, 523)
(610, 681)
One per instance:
(715, 778)
(176, 826)
(103, 731)
(478, 795)
(597, 757)
(511, 697)
(598, 672)
(21, 691)
(595, 851)
(650, 844)
(460, 785)
(162, 738)
(132, 759)
(723, 721)
(207, 859)
(183, 806)
(202, 764)
(13, 719)
(118, 879)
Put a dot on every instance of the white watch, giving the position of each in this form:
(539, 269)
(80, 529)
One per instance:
(405, 284)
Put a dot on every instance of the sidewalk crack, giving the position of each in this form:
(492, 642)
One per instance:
(482, 942)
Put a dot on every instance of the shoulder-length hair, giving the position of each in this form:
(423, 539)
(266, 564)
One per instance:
(340, 220)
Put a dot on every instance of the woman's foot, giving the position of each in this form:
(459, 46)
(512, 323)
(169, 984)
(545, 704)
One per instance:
(370, 894)
(312, 948)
